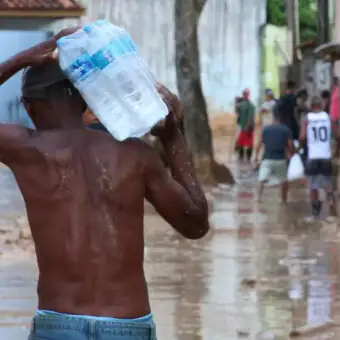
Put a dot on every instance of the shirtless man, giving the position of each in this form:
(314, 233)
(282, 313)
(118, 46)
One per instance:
(84, 195)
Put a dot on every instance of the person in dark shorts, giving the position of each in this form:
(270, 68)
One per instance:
(302, 110)
(326, 98)
(302, 104)
(316, 133)
(287, 106)
(278, 144)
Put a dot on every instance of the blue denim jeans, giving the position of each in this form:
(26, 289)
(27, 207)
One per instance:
(54, 326)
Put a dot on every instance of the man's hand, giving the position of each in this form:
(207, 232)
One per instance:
(178, 197)
(39, 54)
(33, 56)
(174, 119)
(65, 32)
(45, 51)
(257, 161)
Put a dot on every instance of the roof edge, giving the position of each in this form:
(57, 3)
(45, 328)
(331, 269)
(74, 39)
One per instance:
(57, 14)
(329, 51)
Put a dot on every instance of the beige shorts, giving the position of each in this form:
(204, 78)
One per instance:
(273, 168)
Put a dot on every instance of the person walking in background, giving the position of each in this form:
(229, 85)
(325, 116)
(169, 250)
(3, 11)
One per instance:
(287, 107)
(326, 98)
(334, 106)
(238, 100)
(265, 114)
(278, 145)
(301, 112)
(246, 115)
(334, 115)
(316, 132)
(302, 104)
(266, 111)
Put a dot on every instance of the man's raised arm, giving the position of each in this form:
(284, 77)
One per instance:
(33, 56)
(177, 197)
(14, 138)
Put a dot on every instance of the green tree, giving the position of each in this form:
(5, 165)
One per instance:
(307, 12)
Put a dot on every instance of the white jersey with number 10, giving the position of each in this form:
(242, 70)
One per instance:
(319, 135)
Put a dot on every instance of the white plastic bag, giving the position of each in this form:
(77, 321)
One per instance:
(296, 144)
(295, 169)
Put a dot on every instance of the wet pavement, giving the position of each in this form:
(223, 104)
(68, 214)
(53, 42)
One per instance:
(262, 273)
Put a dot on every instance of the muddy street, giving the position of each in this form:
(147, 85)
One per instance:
(262, 273)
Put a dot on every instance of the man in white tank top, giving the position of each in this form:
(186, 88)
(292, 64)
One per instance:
(316, 132)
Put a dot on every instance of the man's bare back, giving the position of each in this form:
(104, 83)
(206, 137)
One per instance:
(84, 195)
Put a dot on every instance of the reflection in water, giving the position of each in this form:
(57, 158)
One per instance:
(191, 293)
(311, 280)
(295, 270)
(319, 286)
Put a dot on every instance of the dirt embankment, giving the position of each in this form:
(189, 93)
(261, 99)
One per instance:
(223, 124)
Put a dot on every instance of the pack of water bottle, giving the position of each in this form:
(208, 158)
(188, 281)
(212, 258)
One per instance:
(103, 63)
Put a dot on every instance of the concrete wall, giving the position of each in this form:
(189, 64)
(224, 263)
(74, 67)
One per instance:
(276, 54)
(229, 41)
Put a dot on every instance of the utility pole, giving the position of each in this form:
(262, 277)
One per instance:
(323, 22)
(293, 24)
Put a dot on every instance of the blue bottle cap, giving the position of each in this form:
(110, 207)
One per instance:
(88, 28)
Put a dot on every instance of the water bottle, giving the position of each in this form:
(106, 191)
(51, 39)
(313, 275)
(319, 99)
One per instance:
(133, 87)
(103, 63)
(124, 41)
(108, 31)
(99, 38)
(75, 61)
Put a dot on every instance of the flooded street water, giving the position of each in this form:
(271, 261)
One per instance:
(262, 273)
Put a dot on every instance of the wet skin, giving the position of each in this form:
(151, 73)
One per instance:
(84, 194)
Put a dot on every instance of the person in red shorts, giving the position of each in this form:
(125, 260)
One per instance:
(246, 116)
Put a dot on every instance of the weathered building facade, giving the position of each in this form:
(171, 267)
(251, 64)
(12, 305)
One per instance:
(229, 36)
